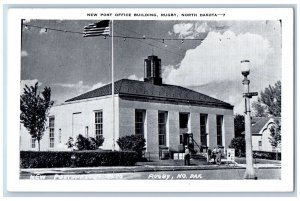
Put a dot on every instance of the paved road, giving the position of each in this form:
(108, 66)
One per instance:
(221, 174)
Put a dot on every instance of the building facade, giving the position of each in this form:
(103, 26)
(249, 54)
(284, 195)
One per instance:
(159, 112)
(261, 133)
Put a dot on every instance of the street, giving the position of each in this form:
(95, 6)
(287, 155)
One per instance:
(217, 174)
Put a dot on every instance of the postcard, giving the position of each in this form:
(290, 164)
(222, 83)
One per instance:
(150, 100)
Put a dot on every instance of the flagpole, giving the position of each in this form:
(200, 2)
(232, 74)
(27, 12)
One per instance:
(113, 83)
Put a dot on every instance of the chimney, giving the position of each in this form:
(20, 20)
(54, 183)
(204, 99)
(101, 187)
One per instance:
(152, 70)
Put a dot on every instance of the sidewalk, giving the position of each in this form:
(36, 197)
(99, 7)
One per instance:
(164, 165)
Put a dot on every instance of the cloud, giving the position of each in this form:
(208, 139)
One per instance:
(24, 53)
(199, 29)
(191, 30)
(29, 83)
(98, 85)
(183, 29)
(202, 28)
(134, 77)
(78, 85)
(218, 59)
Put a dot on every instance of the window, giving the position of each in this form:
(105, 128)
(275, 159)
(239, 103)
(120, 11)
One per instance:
(86, 131)
(259, 145)
(162, 127)
(139, 122)
(219, 129)
(203, 125)
(51, 132)
(59, 135)
(183, 120)
(99, 124)
(33, 139)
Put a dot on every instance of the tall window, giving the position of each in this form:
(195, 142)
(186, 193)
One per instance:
(33, 139)
(162, 127)
(219, 129)
(203, 132)
(99, 123)
(51, 132)
(139, 122)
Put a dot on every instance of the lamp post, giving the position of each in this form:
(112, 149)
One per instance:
(249, 174)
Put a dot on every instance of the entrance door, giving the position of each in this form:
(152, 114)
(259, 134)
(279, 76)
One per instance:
(183, 125)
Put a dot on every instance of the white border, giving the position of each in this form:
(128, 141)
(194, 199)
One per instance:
(13, 81)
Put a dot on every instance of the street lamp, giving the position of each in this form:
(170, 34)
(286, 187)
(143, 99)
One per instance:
(249, 174)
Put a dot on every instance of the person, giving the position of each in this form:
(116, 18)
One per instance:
(213, 154)
(218, 156)
(187, 156)
(208, 155)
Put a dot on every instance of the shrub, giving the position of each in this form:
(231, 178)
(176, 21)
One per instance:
(50, 159)
(239, 145)
(266, 155)
(99, 140)
(83, 143)
(70, 143)
(132, 143)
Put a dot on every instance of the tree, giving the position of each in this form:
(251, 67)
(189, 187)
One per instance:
(132, 143)
(269, 102)
(275, 135)
(259, 109)
(34, 110)
(239, 144)
(239, 125)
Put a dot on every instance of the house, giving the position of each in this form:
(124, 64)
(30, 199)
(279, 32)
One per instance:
(261, 133)
(160, 112)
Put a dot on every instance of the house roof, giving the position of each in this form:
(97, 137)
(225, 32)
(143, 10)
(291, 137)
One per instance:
(258, 123)
(147, 91)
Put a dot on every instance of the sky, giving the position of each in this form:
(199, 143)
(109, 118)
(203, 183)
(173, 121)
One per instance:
(71, 64)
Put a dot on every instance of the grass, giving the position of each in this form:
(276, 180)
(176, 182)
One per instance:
(257, 161)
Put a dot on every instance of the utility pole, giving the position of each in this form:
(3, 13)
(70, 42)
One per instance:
(249, 174)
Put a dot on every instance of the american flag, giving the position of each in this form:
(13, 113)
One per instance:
(97, 29)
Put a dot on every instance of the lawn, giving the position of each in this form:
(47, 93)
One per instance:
(257, 161)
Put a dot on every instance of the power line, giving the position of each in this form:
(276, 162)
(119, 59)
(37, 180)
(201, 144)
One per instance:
(52, 29)
(132, 31)
(142, 41)
(139, 39)
(115, 36)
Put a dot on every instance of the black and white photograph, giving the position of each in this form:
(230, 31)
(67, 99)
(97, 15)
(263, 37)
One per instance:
(182, 99)
(151, 95)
